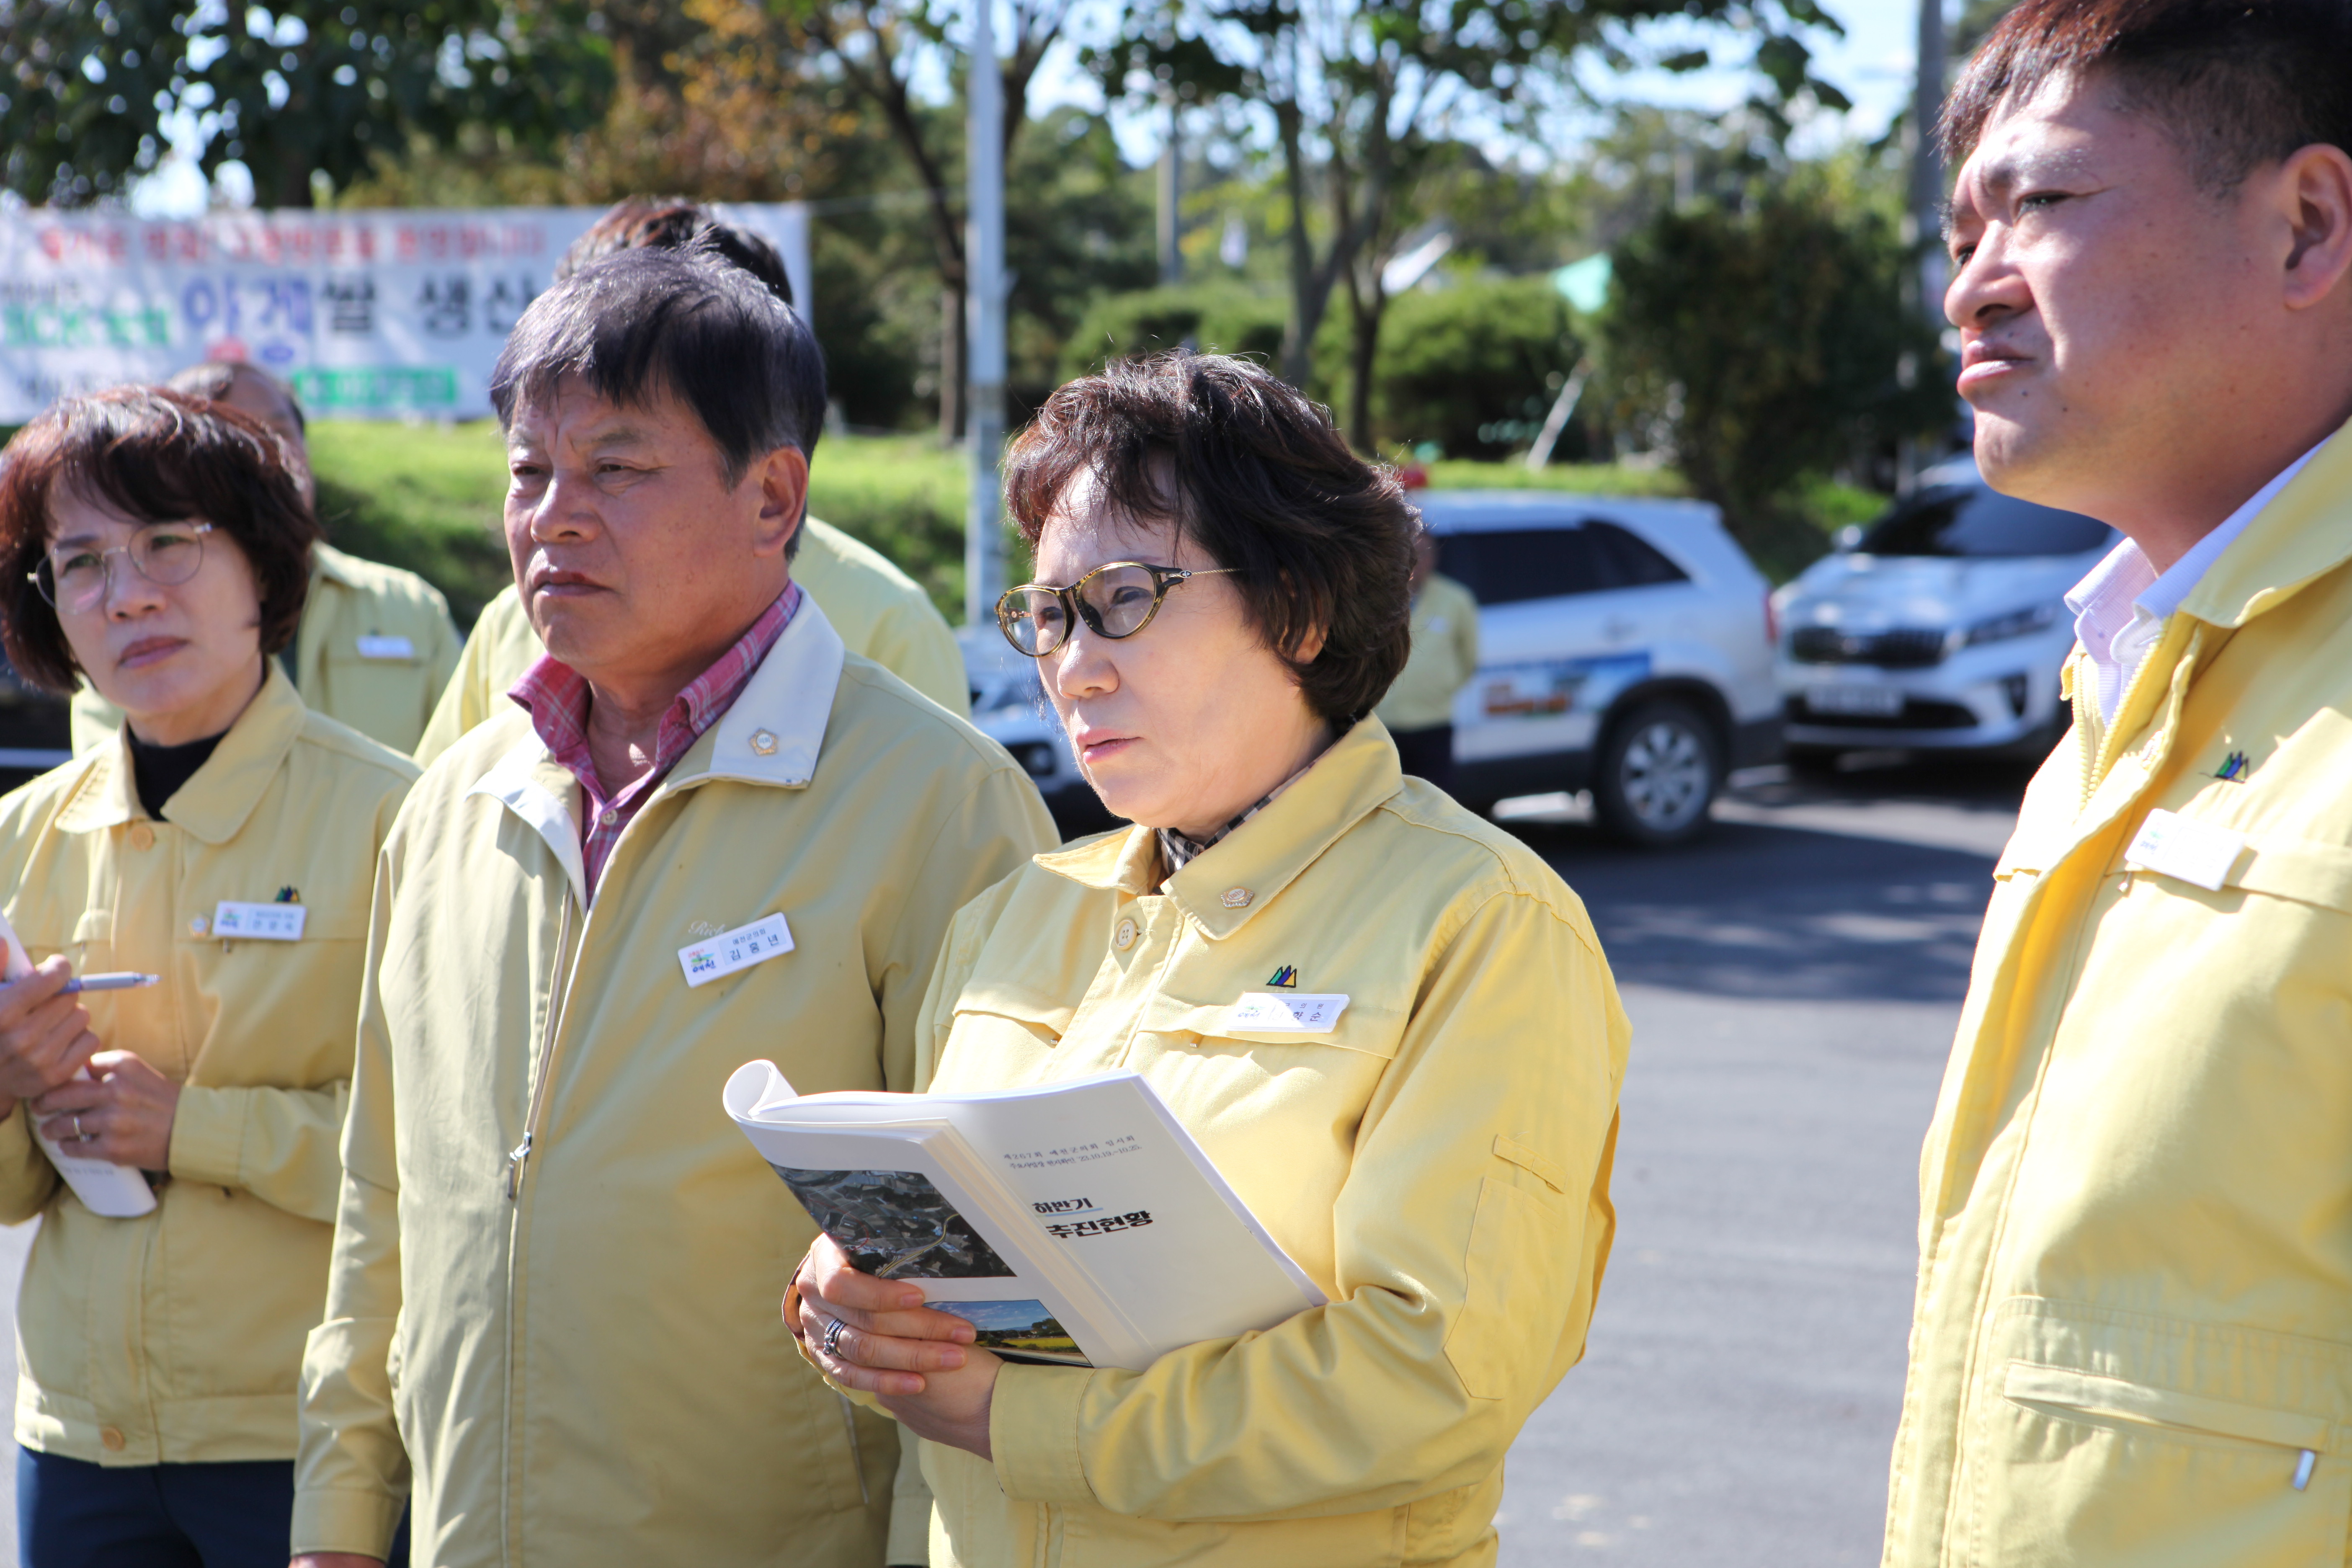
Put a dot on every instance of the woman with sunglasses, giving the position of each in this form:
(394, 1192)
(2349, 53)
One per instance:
(225, 845)
(1222, 600)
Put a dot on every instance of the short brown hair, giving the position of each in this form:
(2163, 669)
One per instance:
(673, 223)
(1254, 475)
(2235, 83)
(158, 456)
(216, 378)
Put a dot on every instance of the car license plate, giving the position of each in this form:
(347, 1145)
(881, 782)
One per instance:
(1856, 702)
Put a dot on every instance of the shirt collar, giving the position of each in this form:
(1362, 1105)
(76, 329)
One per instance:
(1178, 850)
(1267, 852)
(218, 798)
(2124, 585)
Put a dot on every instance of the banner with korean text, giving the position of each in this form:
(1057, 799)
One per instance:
(380, 313)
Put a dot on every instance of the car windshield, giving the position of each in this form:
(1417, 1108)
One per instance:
(1974, 522)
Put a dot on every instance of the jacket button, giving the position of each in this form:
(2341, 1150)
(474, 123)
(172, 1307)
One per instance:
(1125, 939)
(198, 926)
(142, 836)
(111, 1436)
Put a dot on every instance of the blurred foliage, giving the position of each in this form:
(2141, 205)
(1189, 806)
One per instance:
(1476, 367)
(1222, 316)
(1765, 345)
(300, 90)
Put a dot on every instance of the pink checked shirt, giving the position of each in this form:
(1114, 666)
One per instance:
(558, 699)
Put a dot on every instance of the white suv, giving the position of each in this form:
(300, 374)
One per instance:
(1623, 649)
(1624, 646)
(1942, 626)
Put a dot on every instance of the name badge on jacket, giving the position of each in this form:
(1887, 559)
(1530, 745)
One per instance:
(1271, 1012)
(731, 951)
(259, 923)
(386, 647)
(2197, 852)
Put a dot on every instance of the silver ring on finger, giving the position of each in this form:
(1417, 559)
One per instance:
(832, 1341)
(79, 1136)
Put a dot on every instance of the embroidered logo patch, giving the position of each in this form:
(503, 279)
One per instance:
(2234, 769)
(1287, 977)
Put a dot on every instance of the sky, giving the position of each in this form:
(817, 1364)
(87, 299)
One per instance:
(1871, 64)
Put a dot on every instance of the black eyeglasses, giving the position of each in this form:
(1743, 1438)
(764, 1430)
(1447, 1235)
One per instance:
(166, 553)
(1115, 600)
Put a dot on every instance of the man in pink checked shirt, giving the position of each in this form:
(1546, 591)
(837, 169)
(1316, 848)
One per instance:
(707, 832)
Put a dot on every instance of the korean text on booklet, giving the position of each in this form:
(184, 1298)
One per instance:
(1076, 1223)
(105, 1188)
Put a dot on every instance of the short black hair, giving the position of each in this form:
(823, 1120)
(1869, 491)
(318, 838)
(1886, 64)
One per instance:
(1255, 475)
(673, 223)
(154, 456)
(2235, 83)
(648, 321)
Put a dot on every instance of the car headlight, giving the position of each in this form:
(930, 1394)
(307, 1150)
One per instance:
(2016, 624)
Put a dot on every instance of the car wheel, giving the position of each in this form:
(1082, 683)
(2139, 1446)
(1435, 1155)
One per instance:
(1657, 776)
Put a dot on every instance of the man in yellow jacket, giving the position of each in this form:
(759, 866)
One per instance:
(2133, 1336)
(709, 834)
(376, 645)
(1419, 708)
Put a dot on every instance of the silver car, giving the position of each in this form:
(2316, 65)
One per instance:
(1942, 626)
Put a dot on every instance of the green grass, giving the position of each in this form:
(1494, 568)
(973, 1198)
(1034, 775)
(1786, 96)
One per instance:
(428, 498)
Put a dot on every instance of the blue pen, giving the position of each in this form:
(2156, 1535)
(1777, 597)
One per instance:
(124, 981)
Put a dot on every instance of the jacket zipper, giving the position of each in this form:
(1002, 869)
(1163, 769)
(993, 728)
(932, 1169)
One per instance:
(559, 1002)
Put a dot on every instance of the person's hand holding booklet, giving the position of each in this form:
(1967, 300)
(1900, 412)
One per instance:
(1074, 1224)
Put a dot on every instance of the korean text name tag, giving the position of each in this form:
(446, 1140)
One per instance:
(1275, 1012)
(386, 647)
(731, 951)
(257, 922)
(2173, 846)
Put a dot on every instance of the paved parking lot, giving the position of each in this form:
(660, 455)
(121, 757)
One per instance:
(1793, 979)
(1793, 982)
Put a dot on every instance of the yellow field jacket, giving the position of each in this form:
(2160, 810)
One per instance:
(1438, 1163)
(592, 1368)
(375, 649)
(177, 1337)
(2133, 1339)
(1445, 657)
(880, 612)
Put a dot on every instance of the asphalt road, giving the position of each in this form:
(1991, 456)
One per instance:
(1793, 981)
(1793, 978)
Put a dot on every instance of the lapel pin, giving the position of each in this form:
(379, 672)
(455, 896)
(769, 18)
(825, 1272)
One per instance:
(1287, 977)
(2234, 770)
(1237, 898)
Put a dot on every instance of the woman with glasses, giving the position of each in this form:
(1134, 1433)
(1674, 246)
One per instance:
(217, 860)
(1221, 599)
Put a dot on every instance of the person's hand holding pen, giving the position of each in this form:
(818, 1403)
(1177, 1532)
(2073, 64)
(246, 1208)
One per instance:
(122, 1112)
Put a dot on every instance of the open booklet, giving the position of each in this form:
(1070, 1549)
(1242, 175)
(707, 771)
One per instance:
(1076, 1223)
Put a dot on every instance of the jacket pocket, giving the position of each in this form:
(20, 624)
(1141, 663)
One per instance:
(2121, 1440)
(1502, 1338)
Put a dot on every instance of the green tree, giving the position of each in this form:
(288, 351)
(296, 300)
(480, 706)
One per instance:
(301, 89)
(1363, 95)
(1767, 344)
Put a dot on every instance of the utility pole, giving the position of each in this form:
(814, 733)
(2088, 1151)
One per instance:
(1171, 181)
(1926, 165)
(983, 533)
(1923, 217)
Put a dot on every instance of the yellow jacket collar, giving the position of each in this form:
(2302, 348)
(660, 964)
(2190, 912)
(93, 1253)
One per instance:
(770, 736)
(214, 805)
(330, 564)
(2303, 533)
(1241, 875)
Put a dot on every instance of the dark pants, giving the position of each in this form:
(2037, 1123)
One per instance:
(239, 1514)
(1428, 754)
